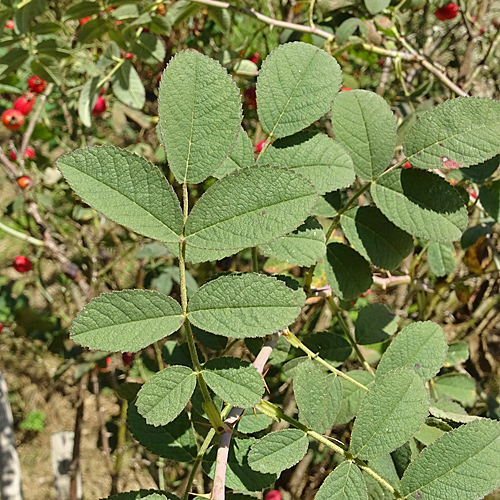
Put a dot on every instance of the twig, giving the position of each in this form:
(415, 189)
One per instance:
(269, 20)
(31, 125)
(75, 461)
(219, 486)
(21, 236)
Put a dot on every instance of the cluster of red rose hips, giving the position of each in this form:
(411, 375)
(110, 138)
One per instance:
(13, 118)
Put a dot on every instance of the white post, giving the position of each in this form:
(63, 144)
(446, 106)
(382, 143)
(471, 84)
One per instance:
(10, 468)
(61, 445)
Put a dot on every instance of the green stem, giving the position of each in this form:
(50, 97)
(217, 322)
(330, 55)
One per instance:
(201, 453)
(209, 406)
(21, 236)
(255, 261)
(278, 414)
(111, 73)
(345, 328)
(295, 342)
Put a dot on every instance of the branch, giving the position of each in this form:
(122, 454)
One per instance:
(219, 487)
(269, 20)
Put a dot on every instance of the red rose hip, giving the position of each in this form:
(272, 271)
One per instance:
(449, 11)
(12, 119)
(273, 495)
(99, 107)
(23, 182)
(25, 103)
(36, 84)
(22, 264)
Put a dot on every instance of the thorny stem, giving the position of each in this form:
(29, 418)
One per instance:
(345, 328)
(209, 405)
(21, 236)
(295, 342)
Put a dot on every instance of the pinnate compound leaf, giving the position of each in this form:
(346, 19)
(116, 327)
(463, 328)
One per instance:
(440, 258)
(249, 207)
(296, 86)
(200, 115)
(143, 495)
(390, 414)
(457, 133)
(241, 156)
(320, 159)
(235, 381)
(278, 451)
(126, 321)
(375, 237)
(303, 247)
(239, 475)
(375, 323)
(317, 396)
(344, 483)
(166, 394)
(175, 441)
(247, 305)
(329, 346)
(352, 395)
(126, 188)
(364, 124)
(347, 272)
(463, 463)
(420, 346)
(421, 203)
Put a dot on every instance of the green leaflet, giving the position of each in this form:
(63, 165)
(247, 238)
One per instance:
(319, 159)
(200, 115)
(235, 381)
(440, 258)
(249, 423)
(364, 124)
(175, 441)
(126, 321)
(143, 495)
(449, 410)
(376, 6)
(148, 48)
(239, 475)
(296, 86)
(344, 483)
(390, 414)
(87, 99)
(166, 394)
(330, 346)
(278, 451)
(352, 395)
(317, 396)
(463, 463)
(375, 237)
(420, 346)
(347, 273)
(421, 203)
(458, 386)
(303, 247)
(126, 188)
(249, 207)
(489, 196)
(375, 323)
(457, 133)
(247, 305)
(241, 156)
(128, 87)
